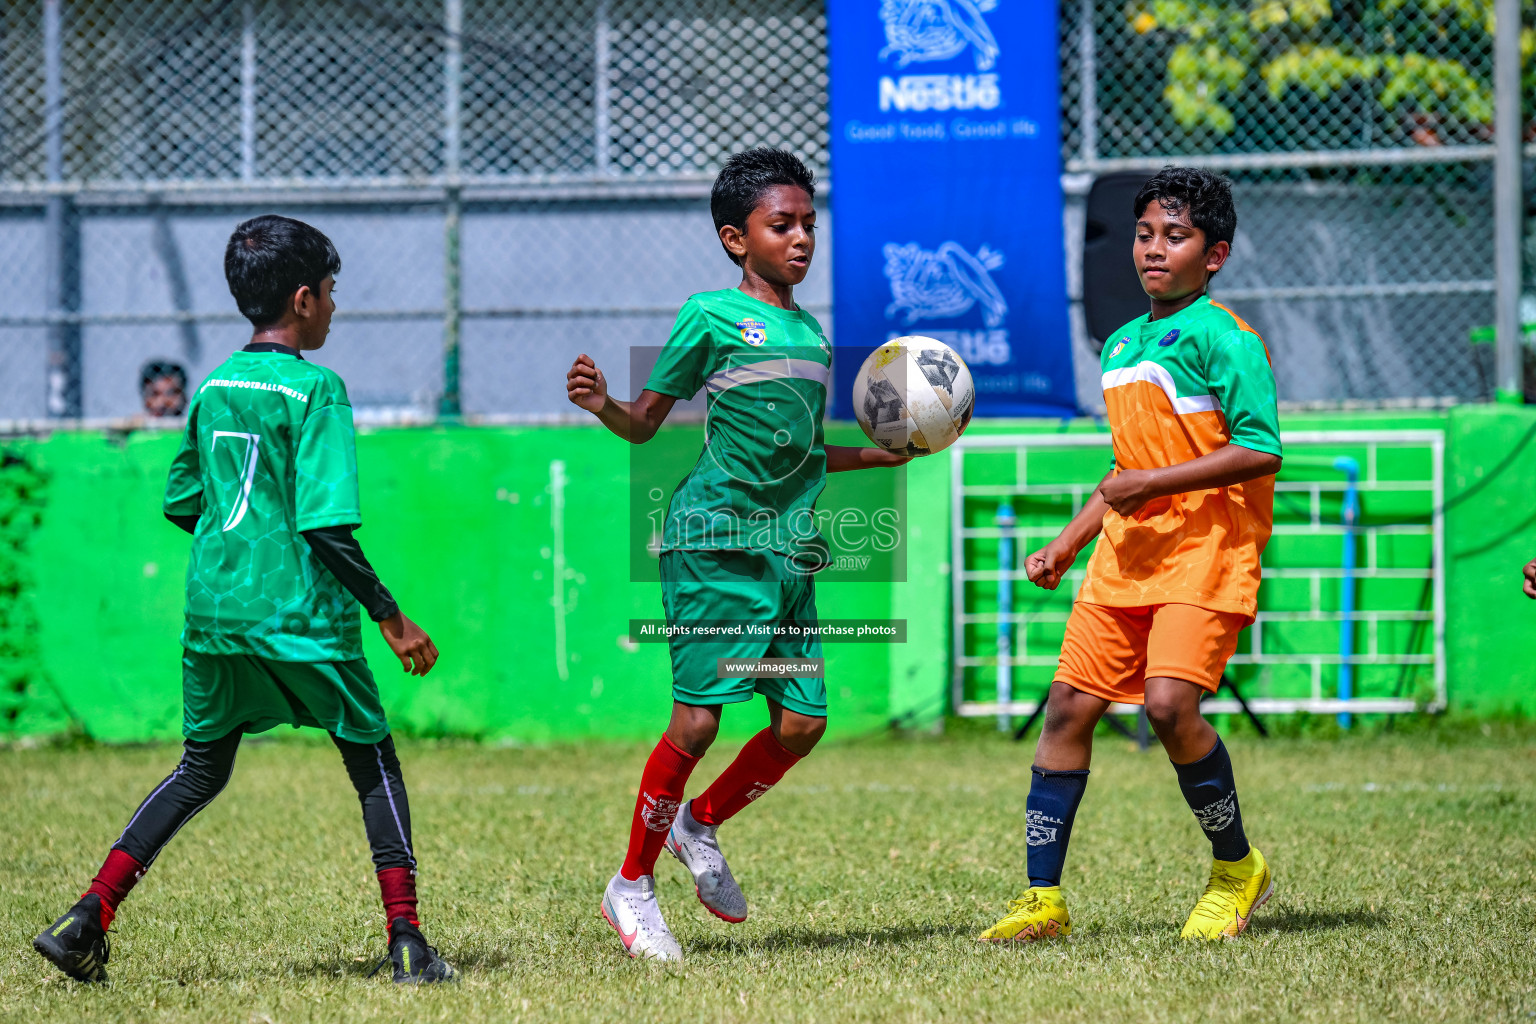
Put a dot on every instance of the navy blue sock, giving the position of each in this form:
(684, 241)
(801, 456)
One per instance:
(1048, 814)
(1212, 794)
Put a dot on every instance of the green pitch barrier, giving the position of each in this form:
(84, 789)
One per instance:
(513, 547)
(507, 544)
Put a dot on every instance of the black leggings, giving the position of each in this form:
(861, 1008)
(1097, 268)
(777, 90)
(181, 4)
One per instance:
(205, 769)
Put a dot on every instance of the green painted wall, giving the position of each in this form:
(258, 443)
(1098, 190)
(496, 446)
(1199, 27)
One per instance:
(461, 524)
(1490, 536)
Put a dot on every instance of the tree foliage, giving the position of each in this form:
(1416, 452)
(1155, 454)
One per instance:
(1426, 65)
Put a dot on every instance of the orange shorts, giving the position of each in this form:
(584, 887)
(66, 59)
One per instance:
(1110, 652)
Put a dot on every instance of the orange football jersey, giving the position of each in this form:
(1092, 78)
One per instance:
(1176, 389)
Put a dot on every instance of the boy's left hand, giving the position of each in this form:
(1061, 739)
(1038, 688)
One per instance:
(1128, 490)
(842, 457)
(1530, 578)
(411, 644)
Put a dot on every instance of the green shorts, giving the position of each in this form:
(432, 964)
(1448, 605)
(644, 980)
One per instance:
(225, 693)
(739, 586)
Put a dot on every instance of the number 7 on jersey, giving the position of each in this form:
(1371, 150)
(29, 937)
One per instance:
(247, 474)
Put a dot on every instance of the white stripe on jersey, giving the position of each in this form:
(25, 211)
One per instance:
(1153, 373)
(769, 369)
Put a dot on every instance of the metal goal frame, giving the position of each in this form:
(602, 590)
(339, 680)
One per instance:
(1252, 652)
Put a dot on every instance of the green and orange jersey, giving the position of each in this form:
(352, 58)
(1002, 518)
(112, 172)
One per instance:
(1176, 389)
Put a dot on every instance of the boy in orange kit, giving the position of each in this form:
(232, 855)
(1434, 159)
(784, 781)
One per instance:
(1185, 514)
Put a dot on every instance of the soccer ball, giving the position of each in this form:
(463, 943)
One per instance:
(914, 396)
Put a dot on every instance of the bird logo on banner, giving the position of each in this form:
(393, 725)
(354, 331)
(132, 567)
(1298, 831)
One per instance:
(943, 283)
(928, 30)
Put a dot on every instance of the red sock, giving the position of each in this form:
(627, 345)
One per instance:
(761, 763)
(112, 883)
(661, 794)
(397, 886)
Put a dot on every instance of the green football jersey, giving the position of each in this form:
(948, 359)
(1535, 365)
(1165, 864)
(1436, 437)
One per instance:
(269, 452)
(766, 371)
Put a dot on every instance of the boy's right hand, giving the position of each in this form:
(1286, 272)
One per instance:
(416, 651)
(585, 384)
(1046, 567)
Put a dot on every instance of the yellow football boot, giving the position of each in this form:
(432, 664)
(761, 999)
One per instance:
(1040, 913)
(1237, 888)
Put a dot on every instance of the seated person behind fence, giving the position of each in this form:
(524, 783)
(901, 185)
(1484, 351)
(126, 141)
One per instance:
(1185, 512)
(163, 386)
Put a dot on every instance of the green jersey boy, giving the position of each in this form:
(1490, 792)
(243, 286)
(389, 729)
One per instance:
(265, 481)
(740, 542)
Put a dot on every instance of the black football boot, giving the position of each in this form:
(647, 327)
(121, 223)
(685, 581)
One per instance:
(76, 943)
(415, 962)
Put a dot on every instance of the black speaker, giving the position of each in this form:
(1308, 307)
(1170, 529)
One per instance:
(1112, 294)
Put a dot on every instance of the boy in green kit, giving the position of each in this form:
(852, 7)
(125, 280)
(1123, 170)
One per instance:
(265, 481)
(740, 542)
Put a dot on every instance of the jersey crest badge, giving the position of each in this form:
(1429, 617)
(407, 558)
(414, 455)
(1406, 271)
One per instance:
(753, 332)
(1169, 338)
(1117, 349)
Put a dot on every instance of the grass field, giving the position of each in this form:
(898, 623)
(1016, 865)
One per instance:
(1404, 870)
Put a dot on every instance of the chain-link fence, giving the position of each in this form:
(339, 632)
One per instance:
(1359, 137)
(511, 182)
(508, 183)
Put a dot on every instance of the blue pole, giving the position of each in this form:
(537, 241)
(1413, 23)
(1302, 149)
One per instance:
(1350, 516)
(1005, 557)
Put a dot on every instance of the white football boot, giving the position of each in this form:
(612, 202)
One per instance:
(696, 847)
(630, 907)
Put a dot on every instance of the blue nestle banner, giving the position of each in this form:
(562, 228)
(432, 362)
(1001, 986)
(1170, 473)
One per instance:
(946, 192)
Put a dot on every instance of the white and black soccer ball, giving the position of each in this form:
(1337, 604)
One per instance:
(914, 395)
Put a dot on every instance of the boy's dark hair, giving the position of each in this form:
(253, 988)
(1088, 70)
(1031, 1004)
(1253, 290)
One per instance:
(269, 258)
(740, 185)
(1207, 197)
(157, 368)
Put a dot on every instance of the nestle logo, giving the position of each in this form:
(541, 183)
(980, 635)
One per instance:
(940, 92)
